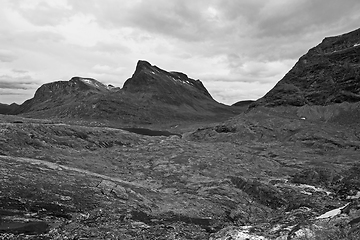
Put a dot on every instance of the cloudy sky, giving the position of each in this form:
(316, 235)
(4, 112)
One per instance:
(238, 48)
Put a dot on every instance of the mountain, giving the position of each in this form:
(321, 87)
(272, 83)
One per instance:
(64, 98)
(8, 109)
(151, 95)
(329, 73)
(170, 87)
(269, 173)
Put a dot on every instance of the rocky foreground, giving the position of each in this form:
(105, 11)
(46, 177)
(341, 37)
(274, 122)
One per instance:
(262, 175)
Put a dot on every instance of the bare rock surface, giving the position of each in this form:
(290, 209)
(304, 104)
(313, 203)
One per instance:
(256, 176)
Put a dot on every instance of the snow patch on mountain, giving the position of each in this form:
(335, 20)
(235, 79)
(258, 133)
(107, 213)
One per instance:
(95, 83)
(332, 213)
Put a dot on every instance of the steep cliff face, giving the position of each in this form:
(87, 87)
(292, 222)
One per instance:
(329, 73)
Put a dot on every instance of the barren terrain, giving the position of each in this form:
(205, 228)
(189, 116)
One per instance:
(266, 173)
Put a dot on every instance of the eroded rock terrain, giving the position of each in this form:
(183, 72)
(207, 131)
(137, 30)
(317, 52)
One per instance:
(259, 176)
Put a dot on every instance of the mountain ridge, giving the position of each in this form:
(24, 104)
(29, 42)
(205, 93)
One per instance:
(8, 108)
(151, 95)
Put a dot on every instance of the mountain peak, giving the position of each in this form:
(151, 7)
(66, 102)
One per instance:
(169, 86)
(142, 64)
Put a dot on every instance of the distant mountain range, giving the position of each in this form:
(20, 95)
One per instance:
(329, 73)
(151, 95)
(8, 108)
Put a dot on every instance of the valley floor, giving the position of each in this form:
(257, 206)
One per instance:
(245, 178)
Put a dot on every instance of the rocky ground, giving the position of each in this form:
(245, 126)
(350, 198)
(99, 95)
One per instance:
(265, 174)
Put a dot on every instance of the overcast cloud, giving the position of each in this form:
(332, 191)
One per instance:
(238, 48)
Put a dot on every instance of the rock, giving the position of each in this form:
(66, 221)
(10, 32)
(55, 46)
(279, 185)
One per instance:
(110, 188)
(315, 176)
(236, 233)
(29, 228)
(225, 129)
(263, 193)
(120, 192)
(8, 109)
(350, 183)
(303, 233)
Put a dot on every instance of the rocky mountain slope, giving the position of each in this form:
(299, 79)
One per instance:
(8, 108)
(329, 73)
(170, 87)
(150, 96)
(60, 93)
